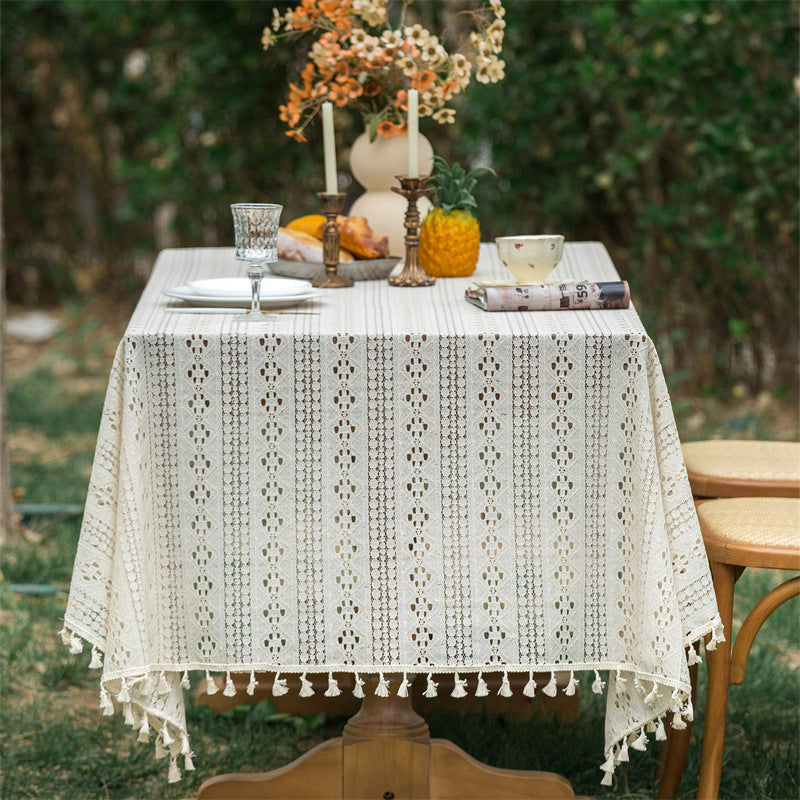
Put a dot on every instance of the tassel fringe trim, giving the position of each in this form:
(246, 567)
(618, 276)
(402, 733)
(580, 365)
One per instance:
(171, 741)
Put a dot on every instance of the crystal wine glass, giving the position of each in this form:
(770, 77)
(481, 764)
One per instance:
(255, 227)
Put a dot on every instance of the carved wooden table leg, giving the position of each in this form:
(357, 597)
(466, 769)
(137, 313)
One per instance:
(386, 752)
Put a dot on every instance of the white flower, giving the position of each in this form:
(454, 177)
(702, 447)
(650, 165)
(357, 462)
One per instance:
(267, 38)
(482, 73)
(417, 35)
(497, 71)
(358, 37)
(277, 20)
(434, 55)
(371, 48)
(392, 38)
(497, 7)
(425, 110)
(460, 66)
(373, 12)
(445, 116)
(408, 66)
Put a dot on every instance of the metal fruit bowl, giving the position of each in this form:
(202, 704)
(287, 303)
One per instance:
(367, 270)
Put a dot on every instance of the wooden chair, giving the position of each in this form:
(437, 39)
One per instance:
(729, 469)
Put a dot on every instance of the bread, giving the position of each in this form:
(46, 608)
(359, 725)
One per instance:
(301, 246)
(357, 237)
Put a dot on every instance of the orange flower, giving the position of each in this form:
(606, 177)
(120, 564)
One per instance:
(390, 129)
(423, 80)
(401, 101)
(296, 135)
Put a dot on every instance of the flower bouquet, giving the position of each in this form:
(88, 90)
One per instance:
(362, 58)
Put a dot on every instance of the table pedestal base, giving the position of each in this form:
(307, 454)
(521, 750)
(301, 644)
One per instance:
(386, 752)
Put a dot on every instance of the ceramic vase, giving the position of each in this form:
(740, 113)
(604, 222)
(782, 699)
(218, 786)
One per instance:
(374, 165)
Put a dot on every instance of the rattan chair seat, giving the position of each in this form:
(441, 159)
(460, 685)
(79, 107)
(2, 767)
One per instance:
(752, 531)
(743, 469)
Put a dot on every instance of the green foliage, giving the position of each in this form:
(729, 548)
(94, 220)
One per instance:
(666, 130)
(454, 187)
(669, 132)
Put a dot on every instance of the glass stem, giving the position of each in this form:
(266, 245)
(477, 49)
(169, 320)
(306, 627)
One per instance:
(255, 273)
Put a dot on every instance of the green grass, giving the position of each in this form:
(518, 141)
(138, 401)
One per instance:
(55, 743)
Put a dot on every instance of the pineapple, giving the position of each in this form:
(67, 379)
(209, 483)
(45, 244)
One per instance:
(450, 236)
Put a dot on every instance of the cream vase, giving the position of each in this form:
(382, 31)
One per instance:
(374, 165)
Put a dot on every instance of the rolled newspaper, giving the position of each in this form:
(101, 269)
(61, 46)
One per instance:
(549, 297)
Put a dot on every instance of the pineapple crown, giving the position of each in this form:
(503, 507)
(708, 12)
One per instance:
(453, 186)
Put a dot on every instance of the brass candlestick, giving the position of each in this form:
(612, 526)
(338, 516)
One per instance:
(332, 205)
(413, 274)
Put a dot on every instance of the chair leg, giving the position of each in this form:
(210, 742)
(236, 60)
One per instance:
(675, 751)
(718, 664)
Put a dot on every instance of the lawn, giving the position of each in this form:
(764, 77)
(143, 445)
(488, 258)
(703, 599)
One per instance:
(56, 744)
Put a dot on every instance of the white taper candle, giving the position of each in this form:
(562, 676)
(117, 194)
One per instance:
(329, 149)
(413, 133)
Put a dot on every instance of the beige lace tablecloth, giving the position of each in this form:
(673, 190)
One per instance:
(400, 482)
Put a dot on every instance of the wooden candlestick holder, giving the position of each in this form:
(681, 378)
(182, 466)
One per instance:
(413, 274)
(332, 205)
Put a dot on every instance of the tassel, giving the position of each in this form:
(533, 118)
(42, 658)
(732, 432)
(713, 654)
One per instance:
(608, 765)
(530, 686)
(124, 695)
(75, 644)
(623, 752)
(717, 637)
(333, 689)
(640, 743)
(306, 689)
(188, 764)
(661, 734)
(185, 680)
(608, 779)
(403, 690)
(279, 686)
(430, 691)
(650, 727)
(251, 687)
(174, 771)
(688, 710)
(96, 662)
(570, 688)
(230, 686)
(482, 690)
(651, 696)
(551, 690)
(163, 686)
(382, 689)
(459, 687)
(358, 689)
(597, 684)
(105, 702)
(677, 722)
(693, 657)
(621, 681)
(185, 749)
(505, 687)
(66, 638)
(637, 682)
(127, 714)
(165, 735)
(147, 686)
(160, 751)
(144, 731)
(211, 684)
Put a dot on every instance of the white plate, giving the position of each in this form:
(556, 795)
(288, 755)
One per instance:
(186, 294)
(239, 288)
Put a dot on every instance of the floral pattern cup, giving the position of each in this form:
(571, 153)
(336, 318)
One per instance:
(530, 259)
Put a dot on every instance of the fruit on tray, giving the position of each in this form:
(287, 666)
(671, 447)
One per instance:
(450, 236)
(308, 224)
(294, 245)
(356, 239)
(356, 235)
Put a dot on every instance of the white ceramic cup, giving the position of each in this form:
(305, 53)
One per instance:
(530, 259)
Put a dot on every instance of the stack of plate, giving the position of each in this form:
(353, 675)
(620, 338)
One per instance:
(235, 292)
